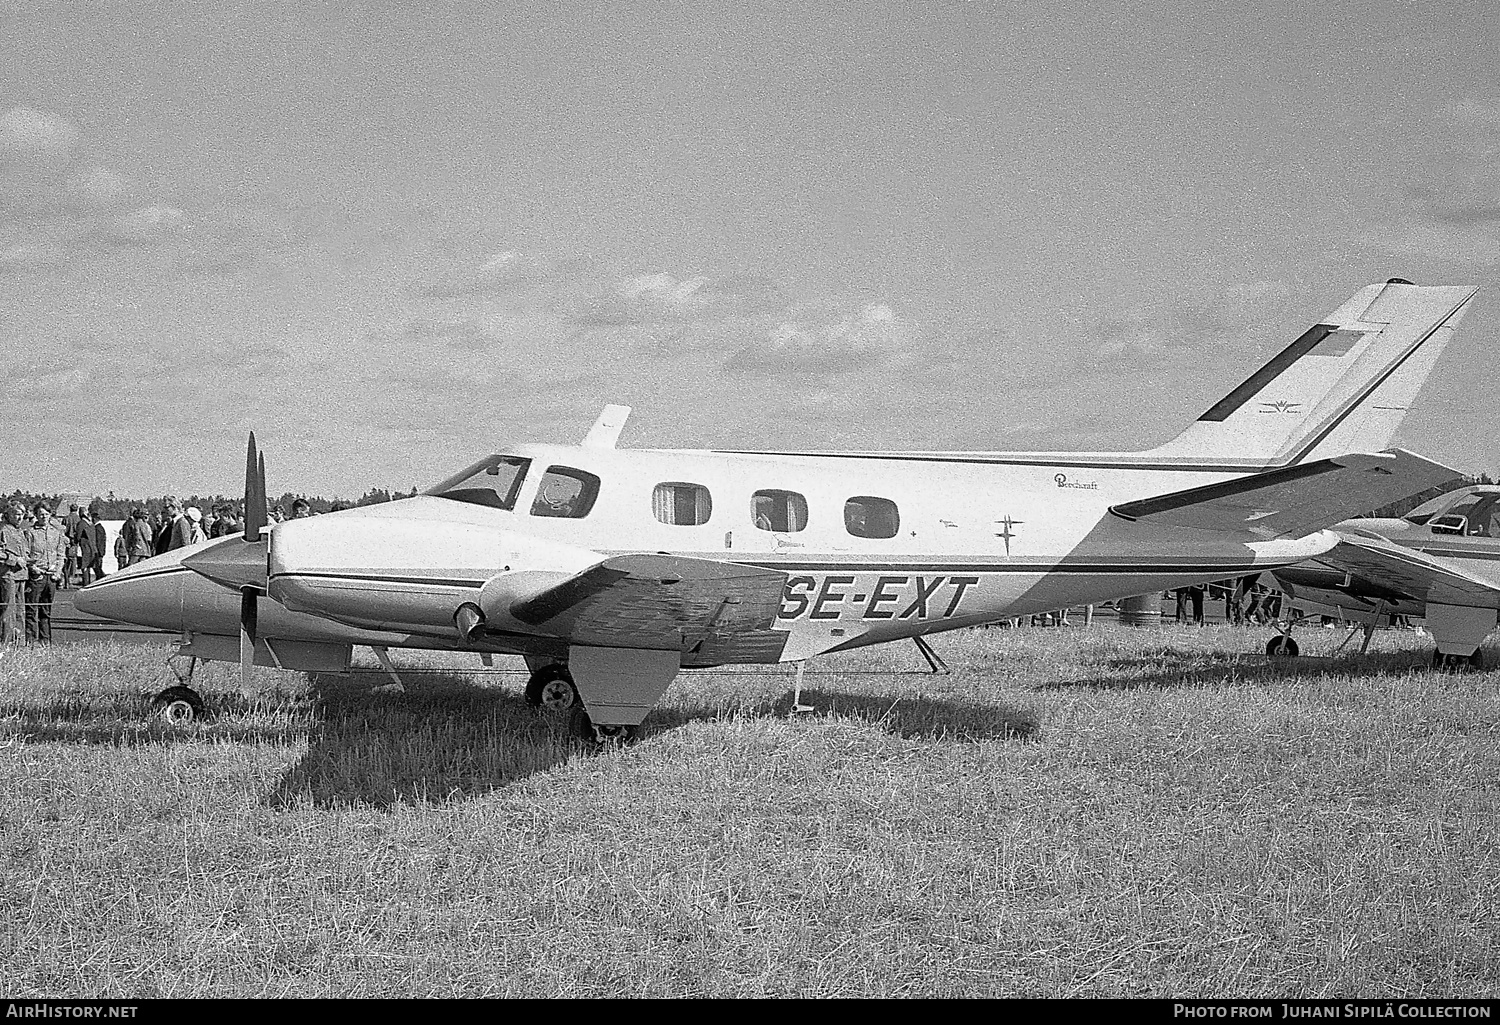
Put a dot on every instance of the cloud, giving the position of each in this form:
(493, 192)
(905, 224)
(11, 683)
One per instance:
(47, 380)
(657, 297)
(61, 213)
(856, 342)
(502, 273)
(146, 226)
(95, 186)
(1465, 214)
(1464, 235)
(36, 137)
(1188, 330)
(31, 256)
(1454, 200)
(424, 339)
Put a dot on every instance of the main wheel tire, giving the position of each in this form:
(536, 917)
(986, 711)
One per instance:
(583, 728)
(1476, 660)
(1454, 663)
(179, 705)
(1281, 646)
(551, 687)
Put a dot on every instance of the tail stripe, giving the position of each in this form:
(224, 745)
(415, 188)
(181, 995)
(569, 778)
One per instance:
(1268, 373)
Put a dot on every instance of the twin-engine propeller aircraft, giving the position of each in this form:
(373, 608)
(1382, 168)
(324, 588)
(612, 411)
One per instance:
(610, 570)
(1441, 561)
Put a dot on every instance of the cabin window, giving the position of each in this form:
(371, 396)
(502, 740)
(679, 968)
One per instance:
(871, 517)
(682, 505)
(493, 481)
(565, 492)
(781, 511)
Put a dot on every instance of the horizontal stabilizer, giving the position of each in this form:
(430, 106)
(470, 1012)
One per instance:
(1295, 500)
(1428, 578)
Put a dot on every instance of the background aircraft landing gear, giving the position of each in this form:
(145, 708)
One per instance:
(1282, 646)
(179, 705)
(583, 728)
(551, 687)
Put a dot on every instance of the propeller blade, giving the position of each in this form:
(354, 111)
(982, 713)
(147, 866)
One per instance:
(255, 492)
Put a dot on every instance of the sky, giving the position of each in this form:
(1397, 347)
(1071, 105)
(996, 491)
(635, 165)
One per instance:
(394, 237)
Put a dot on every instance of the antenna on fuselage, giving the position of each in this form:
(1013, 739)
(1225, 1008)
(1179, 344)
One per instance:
(606, 429)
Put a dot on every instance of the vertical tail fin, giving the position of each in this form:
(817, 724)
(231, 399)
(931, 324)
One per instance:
(1343, 386)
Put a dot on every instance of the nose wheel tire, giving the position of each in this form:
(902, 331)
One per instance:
(551, 688)
(179, 706)
(1281, 646)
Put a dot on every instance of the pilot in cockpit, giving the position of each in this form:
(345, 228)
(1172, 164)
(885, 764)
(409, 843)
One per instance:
(556, 497)
(1487, 523)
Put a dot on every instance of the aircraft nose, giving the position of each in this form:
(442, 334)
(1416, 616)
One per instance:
(145, 596)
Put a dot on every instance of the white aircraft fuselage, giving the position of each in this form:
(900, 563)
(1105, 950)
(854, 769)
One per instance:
(980, 537)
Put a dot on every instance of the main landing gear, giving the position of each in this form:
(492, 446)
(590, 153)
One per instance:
(1456, 663)
(583, 728)
(551, 688)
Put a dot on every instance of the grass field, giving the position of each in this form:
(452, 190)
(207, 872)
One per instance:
(1099, 811)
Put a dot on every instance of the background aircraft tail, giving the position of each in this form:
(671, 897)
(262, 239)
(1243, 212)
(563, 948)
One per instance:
(1343, 386)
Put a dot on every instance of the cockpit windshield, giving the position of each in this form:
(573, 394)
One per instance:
(493, 481)
(1453, 502)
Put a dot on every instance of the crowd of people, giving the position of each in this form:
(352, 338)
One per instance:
(41, 554)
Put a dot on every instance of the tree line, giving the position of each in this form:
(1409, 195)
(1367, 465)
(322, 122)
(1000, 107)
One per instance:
(116, 507)
(1406, 505)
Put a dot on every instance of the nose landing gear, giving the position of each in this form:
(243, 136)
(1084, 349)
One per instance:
(178, 706)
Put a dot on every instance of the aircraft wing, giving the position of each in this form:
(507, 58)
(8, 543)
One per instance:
(1425, 577)
(701, 606)
(1295, 500)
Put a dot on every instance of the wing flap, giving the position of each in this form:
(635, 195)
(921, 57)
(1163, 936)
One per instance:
(1295, 500)
(661, 601)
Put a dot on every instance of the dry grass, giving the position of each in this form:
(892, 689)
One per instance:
(1107, 811)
